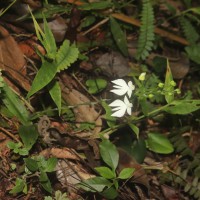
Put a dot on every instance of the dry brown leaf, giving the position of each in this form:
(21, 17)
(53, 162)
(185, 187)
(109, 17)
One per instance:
(60, 153)
(12, 61)
(83, 109)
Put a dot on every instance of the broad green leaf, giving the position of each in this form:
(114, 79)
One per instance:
(96, 5)
(15, 105)
(183, 107)
(119, 36)
(50, 164)
(31, 164)
(135, 129)
(111, 121)
(96, 184)
(66, 55)
(138, 150)
(55, 92)
(168, 87)
(45, 182)
(20, 184)
(29, 135)
(159, 143)
(109, 153)
(96, 85)
(126, 173)
(44, 76)
(110, 193)
(193, 53)
(105, 172)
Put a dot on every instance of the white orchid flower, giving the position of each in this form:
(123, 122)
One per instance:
(121, 107)
(121, 87)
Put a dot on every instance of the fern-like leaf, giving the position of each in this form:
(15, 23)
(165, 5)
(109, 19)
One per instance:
(146, 37)
(189, 30)
(66, 55)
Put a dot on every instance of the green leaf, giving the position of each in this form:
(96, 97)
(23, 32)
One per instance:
(49, 42)
(183, 107)
(111, 121)
(44, 76)
(45, 182)
(15, 105)
(55, 92)
(20, 184)
(147, 36)
(105, 172)
(96, 85)
(109, 153)
(40, 34)
(119, 36)
(135, 129)
(193, 53)
(29, 135)
(61, 196)
(110, 193)
(196, 10)
(168, 87)
(31, 164)
(159, 143)
(126, 173)
(50, 164)
(96, 184)
(138, 150)
(23, 151)
(66, 55)
(96, 5)
(11, 145)
(46, 38)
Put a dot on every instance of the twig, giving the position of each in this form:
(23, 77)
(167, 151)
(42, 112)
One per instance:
(9, 134)
(159, 31)
(96, 26)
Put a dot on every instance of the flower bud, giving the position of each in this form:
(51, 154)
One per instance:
(161, 85)
(142, 76)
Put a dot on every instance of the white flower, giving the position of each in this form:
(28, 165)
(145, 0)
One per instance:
(121, 107)
(142, 76)
(122, 87)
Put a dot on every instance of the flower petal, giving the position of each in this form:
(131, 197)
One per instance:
(116, 103)
(120, 82)
(119, 113)
(129, 110)
(126, 101)
(119, 92)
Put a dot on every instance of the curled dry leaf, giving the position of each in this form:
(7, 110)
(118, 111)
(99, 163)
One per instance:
(12, 61)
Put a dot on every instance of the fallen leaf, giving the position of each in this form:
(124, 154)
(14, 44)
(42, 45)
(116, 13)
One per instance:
(12, 61)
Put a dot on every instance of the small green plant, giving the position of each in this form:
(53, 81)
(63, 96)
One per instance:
(107, 184)
(54, 61)
(148, 91)
(36, 166)
(58, 196)
(29, 135)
